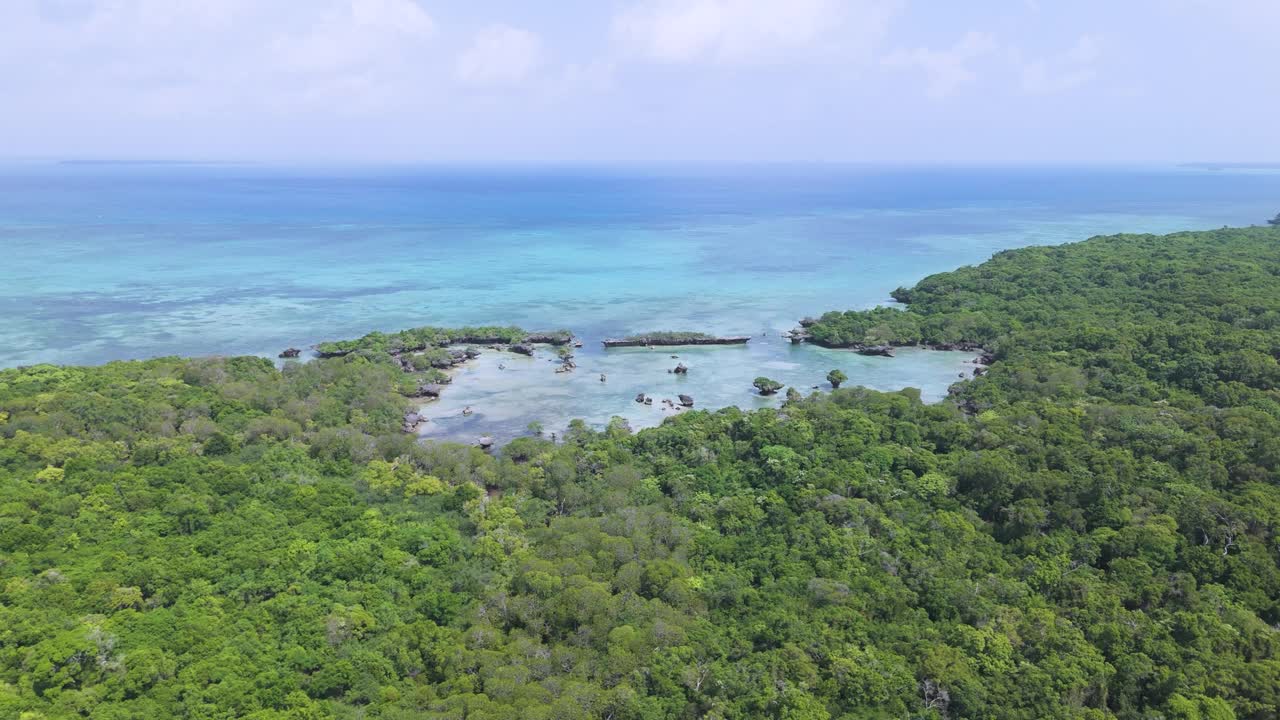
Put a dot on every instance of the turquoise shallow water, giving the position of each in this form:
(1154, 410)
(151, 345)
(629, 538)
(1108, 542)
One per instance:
(504, 401)
(110, 262)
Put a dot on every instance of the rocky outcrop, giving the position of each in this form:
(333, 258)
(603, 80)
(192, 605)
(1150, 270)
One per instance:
(484, 442)
(640, 397)
(412, 421)
(680, 369)
(522, 349)
(685, 400)
(664, 342)
(960, 346)
(796, 335)
(550, 338)
(430, 390)
(566, 362)
(292, 352)
(875, 350)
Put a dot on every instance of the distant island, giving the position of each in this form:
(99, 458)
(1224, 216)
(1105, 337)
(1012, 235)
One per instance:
(1232, 165)
(156, 163)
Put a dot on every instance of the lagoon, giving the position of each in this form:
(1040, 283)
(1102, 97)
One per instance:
(109, 262)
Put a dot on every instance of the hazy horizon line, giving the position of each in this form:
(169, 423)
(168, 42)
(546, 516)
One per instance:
(478, 164)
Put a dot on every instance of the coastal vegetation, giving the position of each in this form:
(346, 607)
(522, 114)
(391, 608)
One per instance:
(878, 326)
(1091, 529)
(422, 338)
(836, 378)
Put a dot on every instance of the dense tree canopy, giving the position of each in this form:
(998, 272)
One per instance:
(1091, 529)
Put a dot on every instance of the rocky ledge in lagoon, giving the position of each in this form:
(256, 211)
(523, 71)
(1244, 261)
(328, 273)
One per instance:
(423, 338)
(669, 338)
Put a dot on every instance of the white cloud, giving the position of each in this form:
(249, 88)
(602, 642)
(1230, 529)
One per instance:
(1066, 71)
(403, 16)
(946, 71)
(500, 55)
(742, 31)
(1259, 16)
(183, 56)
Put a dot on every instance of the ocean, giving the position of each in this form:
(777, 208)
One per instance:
(112, 261)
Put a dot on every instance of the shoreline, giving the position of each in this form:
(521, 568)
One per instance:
(437, 356)
(508, 393)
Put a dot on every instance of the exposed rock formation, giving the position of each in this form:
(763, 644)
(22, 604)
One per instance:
(412, 421)
(661, 341)
(797, 335)
(430, 390)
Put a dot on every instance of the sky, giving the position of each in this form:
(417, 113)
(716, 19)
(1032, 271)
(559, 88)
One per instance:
(642, 81)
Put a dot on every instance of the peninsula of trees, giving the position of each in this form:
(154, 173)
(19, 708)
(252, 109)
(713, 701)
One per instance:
(1091, 529)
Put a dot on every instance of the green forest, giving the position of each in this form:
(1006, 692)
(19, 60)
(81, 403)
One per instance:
(1090, 529)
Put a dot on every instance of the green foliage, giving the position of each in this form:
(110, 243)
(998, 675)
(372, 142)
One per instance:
(421, 338)
(766, 386)
(1091, 529)
(878, 326)
(836, 378)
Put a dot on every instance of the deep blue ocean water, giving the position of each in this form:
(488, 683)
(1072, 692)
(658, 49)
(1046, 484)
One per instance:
(104, 262)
